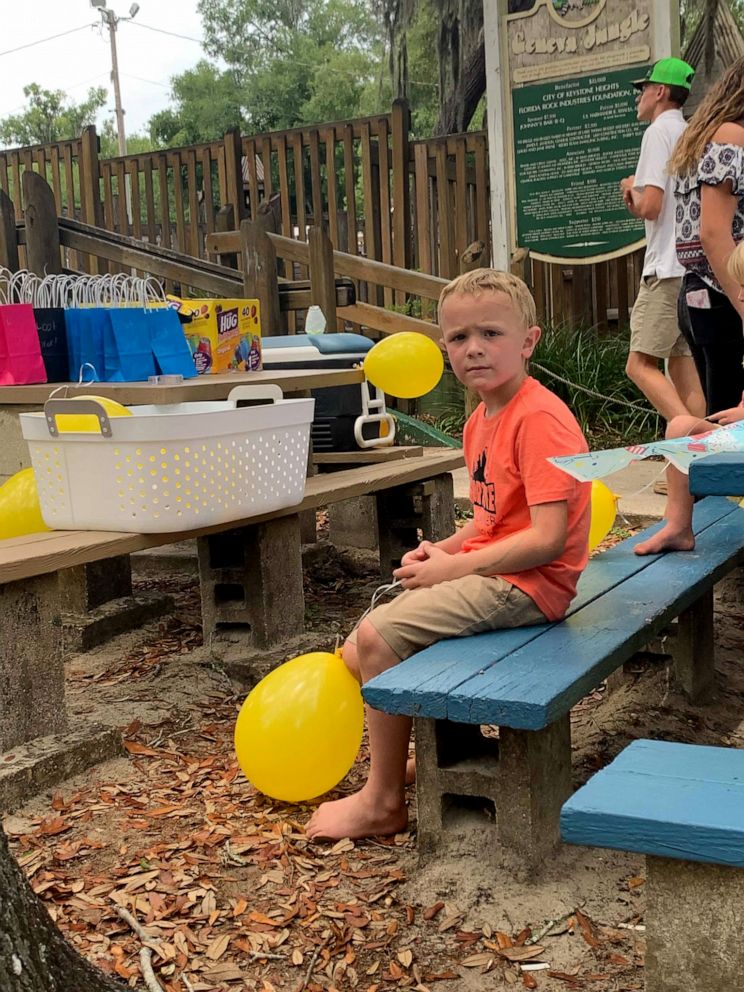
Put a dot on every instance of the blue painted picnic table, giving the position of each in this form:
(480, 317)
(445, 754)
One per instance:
(718, 475)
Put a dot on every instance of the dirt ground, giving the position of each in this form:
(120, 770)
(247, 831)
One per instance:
(234, 896)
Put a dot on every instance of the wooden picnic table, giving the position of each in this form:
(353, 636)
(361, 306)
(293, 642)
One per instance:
(202, 388)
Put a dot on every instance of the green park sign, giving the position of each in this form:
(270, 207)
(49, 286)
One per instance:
(574, 140)
(570, 124)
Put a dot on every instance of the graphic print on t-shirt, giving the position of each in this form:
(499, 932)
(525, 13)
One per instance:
(484, 492)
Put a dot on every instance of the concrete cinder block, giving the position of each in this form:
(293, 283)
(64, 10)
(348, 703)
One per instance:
(251, 584)
(14, 454)
(84, 587)
(32, 688)
(46, 761)
(520, 780)
(693, 926)
(353, 523)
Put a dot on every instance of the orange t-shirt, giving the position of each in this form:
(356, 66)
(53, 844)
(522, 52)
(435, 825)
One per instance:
(506, 457)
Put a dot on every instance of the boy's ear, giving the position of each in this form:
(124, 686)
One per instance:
(532, 336)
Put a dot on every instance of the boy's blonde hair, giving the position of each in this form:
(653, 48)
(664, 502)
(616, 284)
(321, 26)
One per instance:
(484, 280)
(736, 263)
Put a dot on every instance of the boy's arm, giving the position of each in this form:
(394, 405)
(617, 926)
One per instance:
(538, 544)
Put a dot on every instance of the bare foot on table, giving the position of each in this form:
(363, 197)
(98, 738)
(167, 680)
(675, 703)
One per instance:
(356, 816)
(667, 539)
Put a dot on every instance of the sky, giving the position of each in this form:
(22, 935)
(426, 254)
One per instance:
(73, 63)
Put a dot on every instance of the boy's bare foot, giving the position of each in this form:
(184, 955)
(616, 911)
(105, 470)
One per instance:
(356, 816)
(410, 771)
(667, 539)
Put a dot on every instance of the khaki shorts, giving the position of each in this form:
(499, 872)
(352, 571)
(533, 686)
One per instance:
(419, 617)
(654, 328)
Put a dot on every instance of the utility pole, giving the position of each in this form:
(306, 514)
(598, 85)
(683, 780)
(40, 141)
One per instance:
(111, 20)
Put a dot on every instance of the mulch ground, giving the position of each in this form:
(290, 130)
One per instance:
(232, 894)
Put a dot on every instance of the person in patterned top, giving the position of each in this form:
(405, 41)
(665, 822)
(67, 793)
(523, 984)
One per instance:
(708, 165)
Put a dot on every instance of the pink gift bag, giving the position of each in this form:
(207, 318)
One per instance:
(20, 352)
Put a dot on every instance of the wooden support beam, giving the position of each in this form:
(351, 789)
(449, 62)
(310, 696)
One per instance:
(259, 273)
(42, 231)
(322, 280)
(225, 221)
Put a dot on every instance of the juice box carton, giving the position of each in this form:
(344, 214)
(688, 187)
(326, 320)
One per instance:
(224, 335)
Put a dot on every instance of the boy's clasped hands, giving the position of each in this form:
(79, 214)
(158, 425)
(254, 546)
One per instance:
(428, 565)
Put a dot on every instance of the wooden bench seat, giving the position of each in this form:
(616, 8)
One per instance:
(250, 576)
(525, 681)
(682, 805)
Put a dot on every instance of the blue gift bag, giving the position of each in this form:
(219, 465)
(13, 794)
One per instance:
(169, 344)
(85, 330)
(127, 349)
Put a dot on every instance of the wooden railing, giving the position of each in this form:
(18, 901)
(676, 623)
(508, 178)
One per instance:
(416, 205)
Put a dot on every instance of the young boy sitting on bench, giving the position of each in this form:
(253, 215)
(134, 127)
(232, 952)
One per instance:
(514, 564)
(677, 535)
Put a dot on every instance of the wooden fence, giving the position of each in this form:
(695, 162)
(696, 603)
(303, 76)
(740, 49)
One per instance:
(413, 204)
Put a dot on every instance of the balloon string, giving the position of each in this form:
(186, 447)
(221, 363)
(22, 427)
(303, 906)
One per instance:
(381, 591)
(638, 492)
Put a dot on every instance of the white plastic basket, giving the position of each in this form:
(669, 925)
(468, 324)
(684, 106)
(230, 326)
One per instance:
(171, 468)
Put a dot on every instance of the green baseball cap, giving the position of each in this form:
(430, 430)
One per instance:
(669, 72)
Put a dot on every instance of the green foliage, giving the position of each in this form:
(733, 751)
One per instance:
(290, 62)
(50, 116)
(423, 71)
(597, 363)
(206, 103)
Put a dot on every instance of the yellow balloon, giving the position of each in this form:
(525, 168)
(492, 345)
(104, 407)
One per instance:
(405, 365)
(20, 512)
(604, 511)
(300, 728)
(87, 423)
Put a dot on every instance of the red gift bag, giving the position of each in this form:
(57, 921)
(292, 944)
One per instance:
(20, 351)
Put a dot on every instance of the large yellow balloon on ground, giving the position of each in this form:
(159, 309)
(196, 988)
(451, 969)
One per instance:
(405, 365)
(87, 423)
(19, 506)
(604, 511)
(299, 730)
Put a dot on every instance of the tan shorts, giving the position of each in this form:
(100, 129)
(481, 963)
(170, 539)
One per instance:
(654, 328)
(419, 617)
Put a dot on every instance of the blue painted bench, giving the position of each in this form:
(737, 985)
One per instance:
(525, 681)
(682, 805)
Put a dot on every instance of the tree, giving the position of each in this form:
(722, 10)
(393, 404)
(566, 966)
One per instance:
(460, 50)
(289, 62)
(50, 117)
(34, 956)
(206, 103)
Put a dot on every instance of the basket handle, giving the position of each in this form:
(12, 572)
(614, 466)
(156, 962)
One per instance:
(258, 392)
(53, 408)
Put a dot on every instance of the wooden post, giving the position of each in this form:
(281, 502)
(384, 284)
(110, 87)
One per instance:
(259, 273)
(42, 229)
(234, 171)
(91, 210)
(520, 264)
(225, 221)
(322, 278)
(401, 189)
(8, 237)
(473, 257)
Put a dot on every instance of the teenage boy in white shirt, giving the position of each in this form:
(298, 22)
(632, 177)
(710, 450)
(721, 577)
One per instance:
(655, 333)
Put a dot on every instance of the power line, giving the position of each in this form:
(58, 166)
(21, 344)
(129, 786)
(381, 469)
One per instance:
(41, 41)
(173, 34)
(306, 65)
(141, 79)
